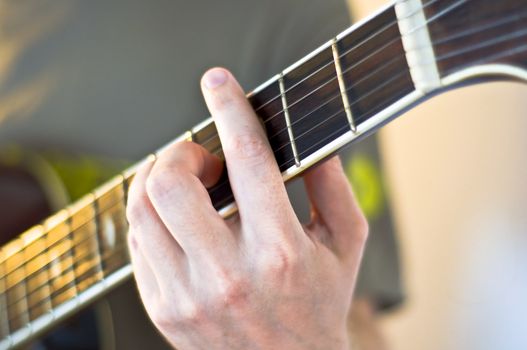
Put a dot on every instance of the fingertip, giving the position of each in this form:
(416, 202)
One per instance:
(214, 78)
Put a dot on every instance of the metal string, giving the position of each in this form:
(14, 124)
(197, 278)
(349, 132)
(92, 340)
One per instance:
(58, 258)
(342, 55)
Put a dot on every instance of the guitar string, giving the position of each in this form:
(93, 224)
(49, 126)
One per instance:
(332, 62)
(365, 40)
(341, 55)
(439, 15)
(68, 252)
(71, 284)
(354, 48)
(439, 59)
(497, 56)
(95, 269)
(71, 232)
(78, 260)
(441, 41)
(486, 59)
(511, 52)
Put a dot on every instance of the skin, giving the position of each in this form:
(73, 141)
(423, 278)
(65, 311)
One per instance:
(259, 280)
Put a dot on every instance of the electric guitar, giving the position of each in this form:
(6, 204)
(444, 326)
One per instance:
(348, 88)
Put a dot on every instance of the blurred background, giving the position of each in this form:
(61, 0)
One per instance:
(90, 87)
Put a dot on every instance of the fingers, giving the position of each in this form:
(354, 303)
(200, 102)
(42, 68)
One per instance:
(254, 175)
(176, 188)
(148, 236)
(335, 207)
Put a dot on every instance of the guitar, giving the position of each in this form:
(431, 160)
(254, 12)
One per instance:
(348, 88)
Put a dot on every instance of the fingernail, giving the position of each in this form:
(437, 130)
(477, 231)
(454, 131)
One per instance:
(214, 78)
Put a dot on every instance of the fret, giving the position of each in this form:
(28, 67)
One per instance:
(288, 120)
(111, 224)
(342, 85)
(16, 294)
(268, 106)
(112, 233)
(316, 108)
(37, 278)
(110, 193)
(374, 66)
(85, 243)
(61, 275)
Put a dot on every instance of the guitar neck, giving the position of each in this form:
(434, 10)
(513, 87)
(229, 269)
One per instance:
(343, 91)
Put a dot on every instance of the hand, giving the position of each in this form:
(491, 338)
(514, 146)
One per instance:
(260, 280)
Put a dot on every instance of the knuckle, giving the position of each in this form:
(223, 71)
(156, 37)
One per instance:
(232, 293)
(362, 228)
(189, 313)
(161, 316)
(280, 262)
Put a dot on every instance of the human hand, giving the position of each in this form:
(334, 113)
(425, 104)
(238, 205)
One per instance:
(259, 280)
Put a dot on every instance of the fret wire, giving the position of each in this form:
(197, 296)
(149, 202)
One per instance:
(68, 223)
(95, 207)
(122, 248)
(288, 120)
(58, 242)
(342, 86)
(24, 315)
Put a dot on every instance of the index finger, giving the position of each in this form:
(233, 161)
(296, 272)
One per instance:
(255, 179)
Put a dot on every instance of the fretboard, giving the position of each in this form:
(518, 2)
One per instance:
(343, 91)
